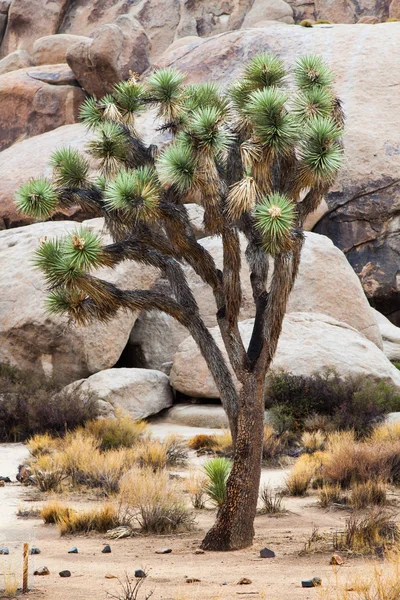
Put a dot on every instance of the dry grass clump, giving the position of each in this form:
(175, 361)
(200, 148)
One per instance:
(176, 449)
(313, 441)
(196, 486)
(107, 468)
(99, 519)
(202, 441)
(10, 580)
(273, 445)
(365, 533)
(387, 432)
(330, 494)
(152, 500)
(271, 501)
(54, 511)
(369, 493)
(41, 443)
(151, 454)
(48, 472)
(78, 450)
(302, 473)
(122, 432)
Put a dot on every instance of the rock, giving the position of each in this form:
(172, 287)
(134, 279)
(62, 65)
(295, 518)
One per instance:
(73, 550)
(29, 20)
(317, 581)
(2, 484)
(308, 583)
(192, 580)
(196, 216)
(363, 219)
(197, 415)
(164, 551)
(313, 218)
(110, 576)
(52, 49)
(42, 571)
(22, 161)
(339, 12)
(188, 40)
(394, 9)
(43, 98)
(199, 551)
(30, 337)
(390, 336)
(140, 574)
(309, 343)
(106, 549)
(65, 573)
(4, 550)
(35, 551)
(368, 20)
(4, 8)
(116, 49)
(336, 560)
(137, 392)
(268, 10)
(244, 581)
(267, 553)
(5, 479)
(19, 59)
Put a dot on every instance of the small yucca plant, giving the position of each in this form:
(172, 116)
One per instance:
(217, 471)
(259, 156)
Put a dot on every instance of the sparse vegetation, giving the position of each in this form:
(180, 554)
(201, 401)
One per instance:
(196, 486)
(330, 494)
(217, 471)
(306, 23)
(55, 511)
(322, 22)
(271, 501)
(301, 474)
(122, 432)
(372, 532)
(369, 493)
(130, 589)
(48, 472)
(313, 441)
(99, 519)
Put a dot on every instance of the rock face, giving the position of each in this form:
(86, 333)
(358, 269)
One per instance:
(14, 61)
(268, 10)
(197, 415)
(136, 392)
(100, 63)
(52, 49)
(350, 11)
(390, 336)
(31, 338)
(29, 20)
(23, 160)
(363, 217)
(35, 100)
(308, 343)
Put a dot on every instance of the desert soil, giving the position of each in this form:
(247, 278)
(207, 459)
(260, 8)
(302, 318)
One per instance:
(219, 573)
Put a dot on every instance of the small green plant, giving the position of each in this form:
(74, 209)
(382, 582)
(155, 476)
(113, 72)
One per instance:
(397, 364)
(217, 471)
(271, 501)
(306, 23)
(322, 22)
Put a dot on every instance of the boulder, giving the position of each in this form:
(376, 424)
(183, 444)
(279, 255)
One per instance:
(30, 337)
(394, 9)
(4, 8)
(19, 59)
(339, 12)
(309, 343)
(22, 161)
(116, 49)
(35, 100)
(211, 17)
(29, 20)
(52, 49)
(363, 211)
(390, 336)
(136, 392)
(197, 415)
(268, 10)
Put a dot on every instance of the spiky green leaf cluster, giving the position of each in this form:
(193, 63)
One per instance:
(177, 165)
(264, 70)
(130, 99)
(321, 153)
(205, 95)
(109, 147)
(137, 192)
(274, 126)
(164, 87)
(90, 114)
(70, 168)
(311, 71)
(36, 198)
(63, 260)
(313, 102)
(275, 217)
(205, 131)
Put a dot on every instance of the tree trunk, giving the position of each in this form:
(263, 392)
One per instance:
(234, 527)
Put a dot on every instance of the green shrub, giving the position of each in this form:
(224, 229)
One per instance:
(397, 365)
(322, 22)
(349, 402)
(392, 20)
(29, 405)
(122, 432)
(306, 23)
(217, 470)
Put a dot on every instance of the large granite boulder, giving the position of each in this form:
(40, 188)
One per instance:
(19, 59)
(30, 337)
(139, 393)
(349, 11)
(105, 60)
(30, 158)
(309, 343)
(52, 49)
(363, 211)
(268, 10)
(390, 337)
(29, 20)
(35, 100)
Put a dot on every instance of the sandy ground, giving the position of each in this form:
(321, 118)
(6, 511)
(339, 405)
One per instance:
(219, 573)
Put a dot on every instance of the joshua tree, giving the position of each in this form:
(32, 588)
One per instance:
(259, 161)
